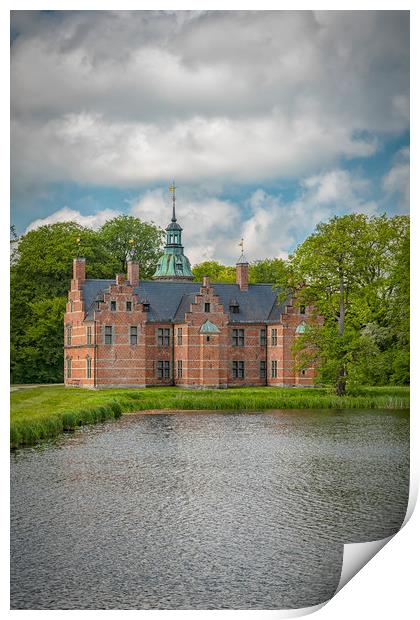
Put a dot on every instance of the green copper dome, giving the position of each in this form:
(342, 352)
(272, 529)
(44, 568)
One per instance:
(173, 264)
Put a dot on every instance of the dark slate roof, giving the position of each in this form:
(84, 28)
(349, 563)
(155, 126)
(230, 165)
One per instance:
(169, 301)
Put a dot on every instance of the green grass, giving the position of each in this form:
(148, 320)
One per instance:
(44, 412)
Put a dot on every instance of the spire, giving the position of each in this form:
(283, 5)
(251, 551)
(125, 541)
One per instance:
(172, 189)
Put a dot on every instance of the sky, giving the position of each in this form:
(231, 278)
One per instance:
(269, 121)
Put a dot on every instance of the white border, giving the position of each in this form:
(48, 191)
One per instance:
(387, 585)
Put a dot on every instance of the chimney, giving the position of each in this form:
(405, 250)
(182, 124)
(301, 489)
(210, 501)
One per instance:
(79, 270)
(242, 275)
(133, 273)
(120, 279)
(206, 281)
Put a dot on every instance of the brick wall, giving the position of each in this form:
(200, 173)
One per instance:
(207, 359)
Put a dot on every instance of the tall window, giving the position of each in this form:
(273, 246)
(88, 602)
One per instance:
(68, 367)
(89, 334)
(128, 306)
(263, 337)
(163, 337)
(71, 305)
(88, 367)
(263, 369)
(133, 334)
(163, 369)
(179, 335)
(274, 369)
(113, 305)
(108, 334)
(68, 331)
(179, 369)
(207, 307)
(238, 369)
(274, 337)
(238, 337)
(302, 309)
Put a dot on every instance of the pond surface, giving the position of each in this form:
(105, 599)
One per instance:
(204, 511)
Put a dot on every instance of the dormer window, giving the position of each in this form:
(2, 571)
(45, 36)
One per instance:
(145, 304)
(302, 309)
(113, 306)
(234, 306)
(207, 307)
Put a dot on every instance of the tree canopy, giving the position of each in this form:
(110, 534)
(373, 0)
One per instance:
(355, 271)
(126, 237)
(41, 270)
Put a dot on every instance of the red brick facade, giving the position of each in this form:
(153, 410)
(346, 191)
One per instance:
(115, 341)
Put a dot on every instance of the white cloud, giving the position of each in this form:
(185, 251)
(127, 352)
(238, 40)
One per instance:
(269, 226)
(65, 214)
(274, 227)
(120, 98)
(211, 226)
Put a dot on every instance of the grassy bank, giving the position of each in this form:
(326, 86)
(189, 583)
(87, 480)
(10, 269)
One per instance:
(44, 412)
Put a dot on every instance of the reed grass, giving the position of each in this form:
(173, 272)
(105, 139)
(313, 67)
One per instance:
(42, 413)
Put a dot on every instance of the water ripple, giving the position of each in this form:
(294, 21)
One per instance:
(203, 511)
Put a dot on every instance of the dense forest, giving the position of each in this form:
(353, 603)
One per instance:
(354, 269)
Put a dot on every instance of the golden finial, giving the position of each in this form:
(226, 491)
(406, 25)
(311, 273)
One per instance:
(172, 189)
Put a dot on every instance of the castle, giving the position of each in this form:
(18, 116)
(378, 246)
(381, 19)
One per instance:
(172, 331)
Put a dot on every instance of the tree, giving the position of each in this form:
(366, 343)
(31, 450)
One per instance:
(39, 281)
(267, 271)
(215, 270)
(38, 358)
(344, 269)
(127, 237)
(41, 271)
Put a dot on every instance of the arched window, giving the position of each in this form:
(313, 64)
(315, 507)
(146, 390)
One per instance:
(301, 329)
(88, 367)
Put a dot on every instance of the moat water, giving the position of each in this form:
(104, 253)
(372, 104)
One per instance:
(204, 511)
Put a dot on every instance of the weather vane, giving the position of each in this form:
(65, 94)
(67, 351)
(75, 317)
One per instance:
(172, 189)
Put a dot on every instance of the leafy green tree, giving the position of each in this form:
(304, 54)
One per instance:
(345, 270)
(39, 356)
(45, 258)
(215, 270)
(126, 237)
(40, 275)
(267, 271)
(39, 281)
